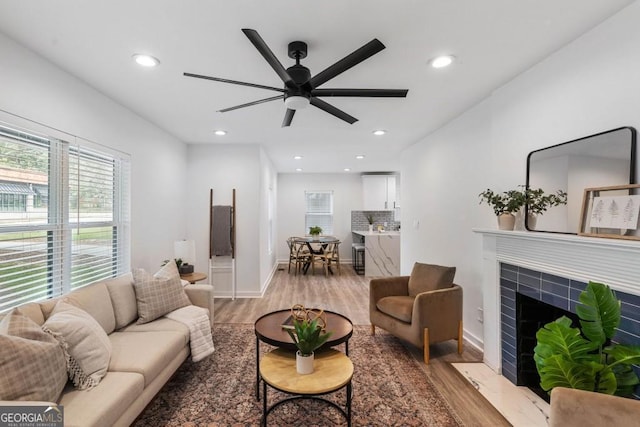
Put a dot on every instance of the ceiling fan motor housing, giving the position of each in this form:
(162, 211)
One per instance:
(297, 50)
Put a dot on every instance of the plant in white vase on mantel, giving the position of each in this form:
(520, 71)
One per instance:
(504, 205)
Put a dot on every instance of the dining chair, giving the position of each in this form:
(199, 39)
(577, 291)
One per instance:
(299, 254)
(329, 255)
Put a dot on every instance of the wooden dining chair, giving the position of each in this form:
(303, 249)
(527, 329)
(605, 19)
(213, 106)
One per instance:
(330, 255)
(299, 254)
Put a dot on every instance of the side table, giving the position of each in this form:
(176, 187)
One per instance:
(333, 371)
(193, 277)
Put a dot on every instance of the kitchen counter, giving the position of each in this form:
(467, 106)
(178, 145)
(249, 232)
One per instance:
(376, 233)
(381, 253)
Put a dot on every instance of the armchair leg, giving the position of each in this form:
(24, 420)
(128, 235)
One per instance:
(373, 329)
(460, 341)
(425, 340)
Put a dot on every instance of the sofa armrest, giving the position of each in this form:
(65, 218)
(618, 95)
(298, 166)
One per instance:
(201, 296)
(440, 311)
(26, 403)
(579, 408)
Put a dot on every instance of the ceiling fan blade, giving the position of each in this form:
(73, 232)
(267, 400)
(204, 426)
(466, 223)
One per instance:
(249, 104)
(288, 117)
(354, 58)
(376, 93)
(235, 82)
(264, 50)
(325, 106)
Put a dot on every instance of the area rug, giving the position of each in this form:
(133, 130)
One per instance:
(389, 388)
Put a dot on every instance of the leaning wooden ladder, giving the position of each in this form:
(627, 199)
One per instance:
(213, 265)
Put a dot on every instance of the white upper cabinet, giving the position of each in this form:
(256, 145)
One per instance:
(379, 192)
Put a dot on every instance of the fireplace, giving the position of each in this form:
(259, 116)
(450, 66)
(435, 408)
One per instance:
(528, 300)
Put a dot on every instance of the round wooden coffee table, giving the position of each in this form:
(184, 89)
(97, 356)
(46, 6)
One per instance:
(333, 371)
(268, 329)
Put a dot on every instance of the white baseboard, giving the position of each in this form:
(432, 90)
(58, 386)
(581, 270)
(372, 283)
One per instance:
(473, 340)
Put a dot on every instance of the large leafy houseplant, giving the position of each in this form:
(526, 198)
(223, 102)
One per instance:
(308, 336)
(585, 358)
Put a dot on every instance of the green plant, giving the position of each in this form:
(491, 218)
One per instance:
(585, 358)
(308, 336)
(503, 203)
(314, 231)
(370, 219)
(537, 202)
(177, 260)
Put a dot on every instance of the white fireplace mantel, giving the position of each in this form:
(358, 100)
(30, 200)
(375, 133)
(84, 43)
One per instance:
(615, 262)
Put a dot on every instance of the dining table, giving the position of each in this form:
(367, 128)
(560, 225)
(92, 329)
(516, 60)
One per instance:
(316, 246)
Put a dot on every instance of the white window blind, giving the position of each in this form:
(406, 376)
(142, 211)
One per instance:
(74, 228)
(319, 211)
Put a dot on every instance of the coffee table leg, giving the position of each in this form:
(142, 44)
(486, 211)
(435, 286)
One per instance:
(349, 390)
(257, 369)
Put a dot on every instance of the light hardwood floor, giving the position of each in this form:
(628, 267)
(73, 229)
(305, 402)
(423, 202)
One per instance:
(348, 294)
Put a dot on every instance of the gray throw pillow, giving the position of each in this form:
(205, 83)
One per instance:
(429, 277)
(158, 295)
(32, 362)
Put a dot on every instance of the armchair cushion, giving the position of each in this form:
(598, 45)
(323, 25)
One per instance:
(430, 277)
(398, 307)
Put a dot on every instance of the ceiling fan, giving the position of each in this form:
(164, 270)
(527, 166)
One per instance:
(300, 89)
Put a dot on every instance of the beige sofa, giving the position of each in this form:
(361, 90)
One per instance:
(578, 408)
(143, 356)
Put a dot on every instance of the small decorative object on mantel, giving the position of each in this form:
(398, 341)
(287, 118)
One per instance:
(537, 203)
(611, 212)
(307, 336)
(504, 205)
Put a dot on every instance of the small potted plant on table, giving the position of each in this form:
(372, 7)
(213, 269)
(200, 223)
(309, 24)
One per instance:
(308, 337)
(315, 231)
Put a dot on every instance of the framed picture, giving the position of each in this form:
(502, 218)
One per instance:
(611, 212)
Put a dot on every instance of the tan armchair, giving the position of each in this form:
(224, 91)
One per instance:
(424, 308)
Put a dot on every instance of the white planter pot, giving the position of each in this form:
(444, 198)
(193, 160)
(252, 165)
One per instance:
(370, 228)
(506, 222)
(304, 364)
(531, 221)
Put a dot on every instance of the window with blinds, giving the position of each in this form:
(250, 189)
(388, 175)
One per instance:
(71, 227)
(319, 210)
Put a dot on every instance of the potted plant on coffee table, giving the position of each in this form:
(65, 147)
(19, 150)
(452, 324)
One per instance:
(504, 205)
(308, 337)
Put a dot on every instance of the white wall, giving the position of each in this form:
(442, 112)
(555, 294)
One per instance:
(223, 167)
(268, 207)
(37, 90)
(347, 197)
(587, 87)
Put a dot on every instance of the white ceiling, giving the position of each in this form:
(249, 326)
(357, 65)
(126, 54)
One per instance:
(494, 40)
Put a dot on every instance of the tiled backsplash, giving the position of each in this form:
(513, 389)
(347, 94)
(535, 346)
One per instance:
(359, 220)
(559, 292)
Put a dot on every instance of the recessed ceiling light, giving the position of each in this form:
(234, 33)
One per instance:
(146, 60)
(347, 169)
(220, 132)
(379, 132)
(442, 61)
(298, 169)
(297, 157)
(360, 156)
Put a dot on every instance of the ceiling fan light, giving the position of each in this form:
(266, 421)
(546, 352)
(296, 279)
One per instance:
(296, 102)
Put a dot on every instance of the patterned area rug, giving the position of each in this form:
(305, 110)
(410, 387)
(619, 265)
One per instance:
(389, 389)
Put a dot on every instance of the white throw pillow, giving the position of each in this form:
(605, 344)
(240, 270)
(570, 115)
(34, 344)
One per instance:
(88, 346)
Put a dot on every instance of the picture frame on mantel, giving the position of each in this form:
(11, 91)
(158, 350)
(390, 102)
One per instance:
(612, 212)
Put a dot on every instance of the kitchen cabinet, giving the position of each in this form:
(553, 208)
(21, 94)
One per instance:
(379, 192)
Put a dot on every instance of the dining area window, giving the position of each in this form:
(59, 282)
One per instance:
(319, 211)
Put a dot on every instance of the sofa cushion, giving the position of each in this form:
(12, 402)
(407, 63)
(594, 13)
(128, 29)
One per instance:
(159, 325)
(88, 346)
(32, 362)
(104, 404)
(147, 354)
(94, 299)
(429, 277)
(157, 296)
(123, 299)
(398, 307)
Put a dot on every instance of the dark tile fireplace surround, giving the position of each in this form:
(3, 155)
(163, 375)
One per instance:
(530, 299)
